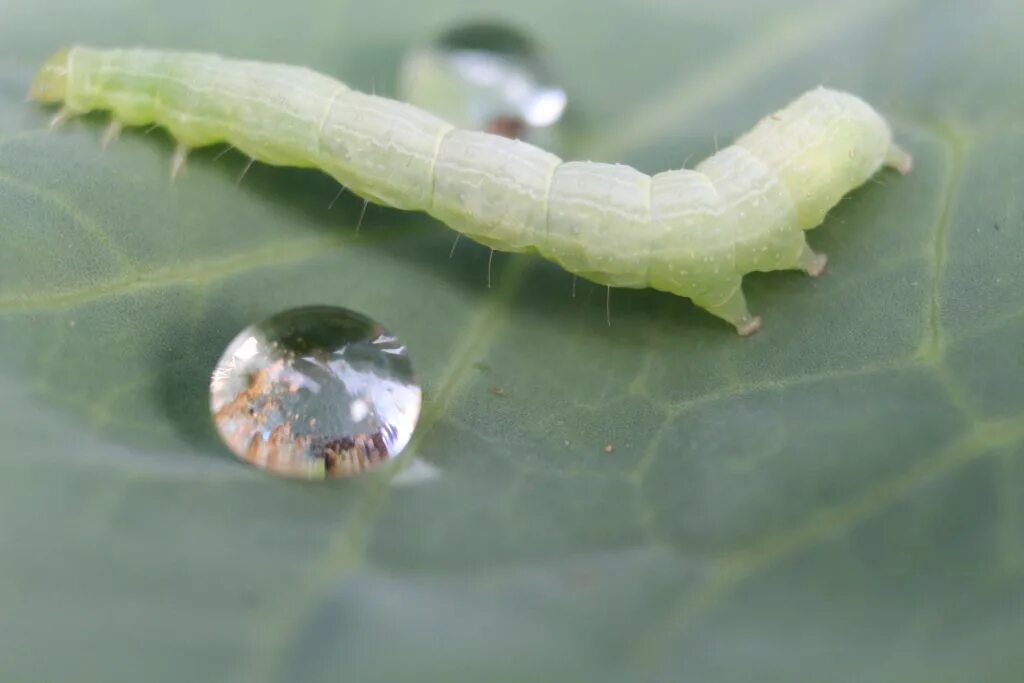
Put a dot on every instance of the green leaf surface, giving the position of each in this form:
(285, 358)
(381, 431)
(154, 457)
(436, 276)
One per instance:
(835, 499)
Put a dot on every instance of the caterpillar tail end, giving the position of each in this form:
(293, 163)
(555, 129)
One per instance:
(51, 82)
(899, 159)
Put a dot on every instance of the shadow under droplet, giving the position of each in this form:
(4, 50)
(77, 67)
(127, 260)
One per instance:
(182, 386)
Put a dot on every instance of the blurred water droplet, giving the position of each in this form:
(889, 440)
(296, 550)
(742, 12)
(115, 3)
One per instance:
(315, 392)
(485, 77)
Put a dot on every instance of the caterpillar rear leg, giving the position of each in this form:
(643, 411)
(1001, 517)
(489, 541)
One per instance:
(812, 262)
(734, 311)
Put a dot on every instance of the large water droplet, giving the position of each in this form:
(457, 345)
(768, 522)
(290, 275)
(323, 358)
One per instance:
(315, 392)
(486, 77)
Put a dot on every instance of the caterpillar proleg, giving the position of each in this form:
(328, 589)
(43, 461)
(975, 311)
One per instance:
(694, 233)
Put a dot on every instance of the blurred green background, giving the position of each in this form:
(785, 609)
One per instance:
(835, 499)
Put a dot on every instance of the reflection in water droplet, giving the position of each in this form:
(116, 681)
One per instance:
(486, 77)
(315, 392)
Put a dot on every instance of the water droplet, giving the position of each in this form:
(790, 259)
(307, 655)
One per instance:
(315, 392)
(485, 76)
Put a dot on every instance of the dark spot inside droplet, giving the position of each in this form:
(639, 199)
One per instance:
(507, 126)
(348, 455)
(380, 446)
(487, 36)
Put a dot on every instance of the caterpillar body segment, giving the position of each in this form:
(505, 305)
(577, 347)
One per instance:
(694, 233)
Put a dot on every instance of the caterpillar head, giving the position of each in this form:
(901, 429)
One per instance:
(50, 84)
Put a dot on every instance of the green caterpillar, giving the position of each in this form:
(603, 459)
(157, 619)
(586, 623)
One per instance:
(694, 233)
